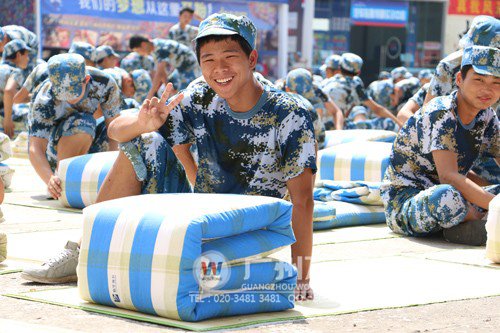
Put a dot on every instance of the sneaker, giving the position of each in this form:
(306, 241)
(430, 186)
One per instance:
(468, 233)
(60, 269)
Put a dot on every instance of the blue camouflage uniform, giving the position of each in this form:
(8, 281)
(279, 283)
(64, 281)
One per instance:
(117, 74)
(104, 51)
(179, 57)
(485, 31)
(349, 94)
(142, 84)
(381, 91)
(134, 60)
(9, 70)
(415, 201)
(53, 117)
(419, 96)
(409, 87)
(39, 74)
(86, 50)
(184, 36)
(255, 152)
(21, 33)
(300, 82)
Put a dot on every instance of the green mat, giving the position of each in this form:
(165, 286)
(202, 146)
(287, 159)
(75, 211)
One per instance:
(10, 266)
(340, 287)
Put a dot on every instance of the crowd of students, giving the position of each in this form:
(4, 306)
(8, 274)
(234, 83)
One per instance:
(200, 118)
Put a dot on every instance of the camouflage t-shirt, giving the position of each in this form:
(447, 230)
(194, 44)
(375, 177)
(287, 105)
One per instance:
(175, 54)
(48, 111)
(39, 74)
(9, 70)
(437, 127)
(346, 92)
(183, 36)
(419, 96)
(255, 152)
(443, 82)
(134, 60)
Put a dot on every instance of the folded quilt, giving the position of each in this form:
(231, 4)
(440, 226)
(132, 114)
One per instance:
(493, 231)
(5, 148)
(346, 214)
(187, 256)
(360, 160)
(363, 193)
(337, 137)
(6, 174)
(82, 177)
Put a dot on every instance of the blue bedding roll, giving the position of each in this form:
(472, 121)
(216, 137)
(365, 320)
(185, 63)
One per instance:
(187, 256)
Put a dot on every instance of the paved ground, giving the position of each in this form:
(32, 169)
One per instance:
(346, 256)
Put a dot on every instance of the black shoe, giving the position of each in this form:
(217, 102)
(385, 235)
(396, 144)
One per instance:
(468, 233)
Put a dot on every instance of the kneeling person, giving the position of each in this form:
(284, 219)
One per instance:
(61, 123)
(429, 185)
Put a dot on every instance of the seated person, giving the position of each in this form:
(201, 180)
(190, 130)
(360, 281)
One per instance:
(86, 50)
(61, 123)
(429, 185)
(15, 60)
(140, 57)
(251, 140)
(106, 57)
(32, 83)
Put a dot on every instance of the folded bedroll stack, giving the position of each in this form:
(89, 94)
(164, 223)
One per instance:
(188, 256)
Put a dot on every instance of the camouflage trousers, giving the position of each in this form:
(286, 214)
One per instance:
(156, 165)
(77, 123)
(415, 212)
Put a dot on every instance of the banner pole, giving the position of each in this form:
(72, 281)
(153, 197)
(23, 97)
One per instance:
(38, 27)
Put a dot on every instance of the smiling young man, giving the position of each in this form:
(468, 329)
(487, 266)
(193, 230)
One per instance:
(251, 139)
(428, 184)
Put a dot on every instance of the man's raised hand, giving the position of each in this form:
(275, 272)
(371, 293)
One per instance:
(154, 111)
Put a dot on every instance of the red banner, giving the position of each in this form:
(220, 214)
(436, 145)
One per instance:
(475, 7)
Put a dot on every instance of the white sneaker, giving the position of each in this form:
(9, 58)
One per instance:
(60, 269)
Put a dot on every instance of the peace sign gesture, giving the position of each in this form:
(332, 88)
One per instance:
(154, 111)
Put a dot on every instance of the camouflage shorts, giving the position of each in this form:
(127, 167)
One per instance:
(77, 123)
(156, 165)
(413, 212)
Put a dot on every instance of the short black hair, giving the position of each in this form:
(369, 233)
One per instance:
(217, 38)
(136, 41)
(464, 70)
(14, 55)
(186, 9)
(349, 73)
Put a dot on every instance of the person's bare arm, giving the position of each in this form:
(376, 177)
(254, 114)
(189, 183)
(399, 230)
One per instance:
(8, 102)
(113, 145)
(407, 111)
(301, 193)
(428, 97)
(447, 169)
(38, 159)
(381, 112)
(186, 158)
(151, 117)
(160, 77)
(338, 116)
(22, 96)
